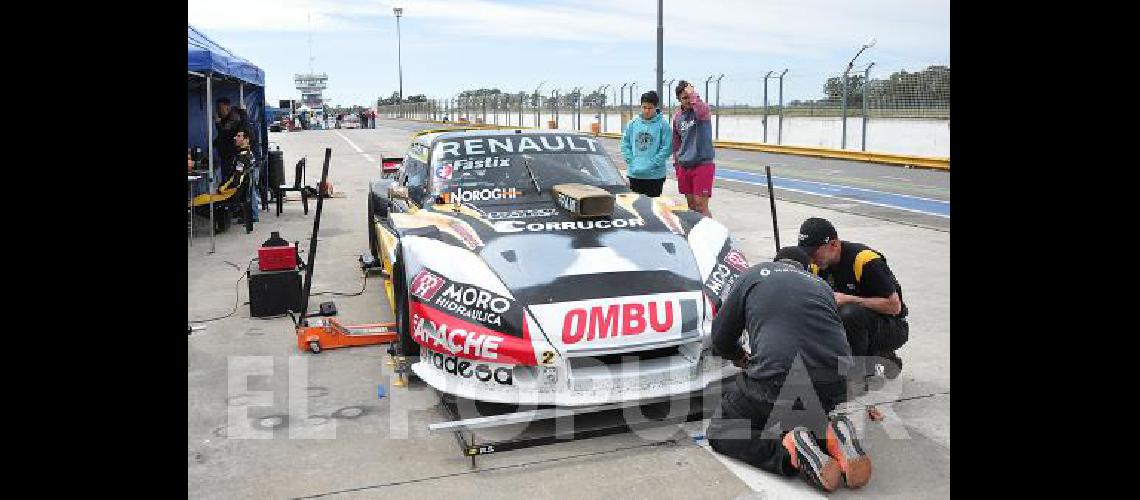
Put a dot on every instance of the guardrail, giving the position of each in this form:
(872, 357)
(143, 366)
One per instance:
(908, 161)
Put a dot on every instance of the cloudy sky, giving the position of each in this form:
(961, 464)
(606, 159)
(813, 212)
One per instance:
(452, 45)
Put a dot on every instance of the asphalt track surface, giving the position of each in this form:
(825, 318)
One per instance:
(919, 197)
(265, 421)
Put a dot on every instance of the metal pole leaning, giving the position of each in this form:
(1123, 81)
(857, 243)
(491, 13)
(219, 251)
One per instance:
(670, 89)
(772, 205)
(313, 239)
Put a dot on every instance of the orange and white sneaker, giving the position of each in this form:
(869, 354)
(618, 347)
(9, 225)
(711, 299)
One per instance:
(844, 447)
(815, 466)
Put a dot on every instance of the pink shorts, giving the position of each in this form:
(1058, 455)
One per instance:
(697, 181)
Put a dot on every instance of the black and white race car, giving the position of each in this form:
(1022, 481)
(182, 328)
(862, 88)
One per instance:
(523, 270)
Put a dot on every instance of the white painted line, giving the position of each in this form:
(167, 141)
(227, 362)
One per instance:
(357, 148)
(767, 484)
(840, 186)
(863, 202)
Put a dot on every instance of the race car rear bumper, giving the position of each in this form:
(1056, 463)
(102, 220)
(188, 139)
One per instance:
(576, 383)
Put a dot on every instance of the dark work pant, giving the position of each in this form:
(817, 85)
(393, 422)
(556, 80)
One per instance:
(869, 332)
(647, 187)
(739, 427)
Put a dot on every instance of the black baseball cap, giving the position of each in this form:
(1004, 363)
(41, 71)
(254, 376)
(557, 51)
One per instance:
(793, 253)
(815, 232)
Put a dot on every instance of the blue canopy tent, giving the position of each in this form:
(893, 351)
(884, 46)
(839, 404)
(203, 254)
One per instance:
(214, 72)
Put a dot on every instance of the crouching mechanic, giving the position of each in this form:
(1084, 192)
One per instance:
(869, 296)
(799, 354)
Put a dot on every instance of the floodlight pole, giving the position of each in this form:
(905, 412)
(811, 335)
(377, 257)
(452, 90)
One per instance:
(399, 56)
(660, 49)
(870, 43)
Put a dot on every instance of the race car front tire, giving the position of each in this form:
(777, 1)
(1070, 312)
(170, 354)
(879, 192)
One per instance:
(408, 346)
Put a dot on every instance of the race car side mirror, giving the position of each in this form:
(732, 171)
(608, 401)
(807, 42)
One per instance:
(398, 193)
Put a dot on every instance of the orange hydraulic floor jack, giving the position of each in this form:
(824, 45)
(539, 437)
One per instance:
(328, 333)
(316, 333)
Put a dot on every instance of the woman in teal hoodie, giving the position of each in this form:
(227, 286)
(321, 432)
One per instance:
(646, 144)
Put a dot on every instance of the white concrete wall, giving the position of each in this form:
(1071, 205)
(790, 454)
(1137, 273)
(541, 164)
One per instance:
(923, 137)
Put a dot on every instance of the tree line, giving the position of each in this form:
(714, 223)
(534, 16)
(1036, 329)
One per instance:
(929, 88)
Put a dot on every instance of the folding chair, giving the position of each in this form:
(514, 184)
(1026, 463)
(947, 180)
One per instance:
(297, 181)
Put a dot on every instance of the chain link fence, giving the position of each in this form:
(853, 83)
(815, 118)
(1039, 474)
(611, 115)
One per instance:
(901, 112)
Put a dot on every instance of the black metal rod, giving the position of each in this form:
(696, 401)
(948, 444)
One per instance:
(313, 240)
(771, 202)
(531, 442)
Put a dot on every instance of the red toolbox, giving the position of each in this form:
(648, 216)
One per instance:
(277, 258)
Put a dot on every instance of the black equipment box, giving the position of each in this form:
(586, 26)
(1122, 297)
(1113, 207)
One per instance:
(274, 292)
(276, 169)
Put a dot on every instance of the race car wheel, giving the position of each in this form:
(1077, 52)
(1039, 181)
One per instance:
(408, 346)
(372, 245)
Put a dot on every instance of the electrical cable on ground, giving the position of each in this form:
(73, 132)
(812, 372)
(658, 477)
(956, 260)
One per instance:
(237, 293)
(862, 406)
(342, 294)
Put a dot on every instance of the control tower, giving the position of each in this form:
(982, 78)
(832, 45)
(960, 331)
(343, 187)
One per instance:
(311, 85)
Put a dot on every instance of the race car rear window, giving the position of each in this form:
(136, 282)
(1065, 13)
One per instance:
(501, 162)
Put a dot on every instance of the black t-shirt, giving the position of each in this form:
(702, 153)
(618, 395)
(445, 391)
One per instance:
(228, 127)
(875, 277)
(244, 160)
(788, 313)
